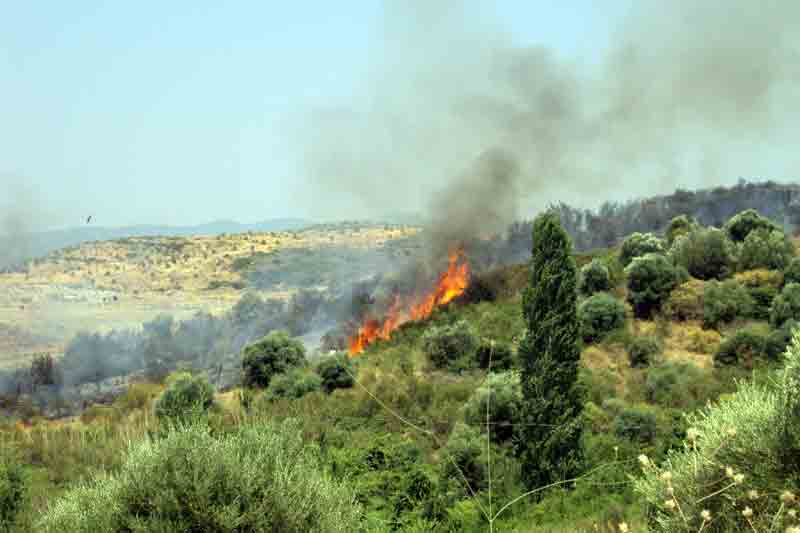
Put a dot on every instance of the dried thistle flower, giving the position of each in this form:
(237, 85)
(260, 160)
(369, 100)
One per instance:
(747, 512)
(705, 514)
(670, 504)
(787, 497)
(752, 494)
(623, 527)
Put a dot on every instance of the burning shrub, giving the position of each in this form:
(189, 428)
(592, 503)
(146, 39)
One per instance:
(638, 245)
(704, 253)
(744, 223)
(724, 302)
(336, 372)
(445, 344)
(743, 347)
(594, 277)
(274, 354)
(680, 225)
(643, 350)
(184, 396)
(293, 384)
(786, 305)
(651, 278)
(600, 314)
(502, 355)
(686, 301)
(13, 488)
(763, 248)
(503, 392)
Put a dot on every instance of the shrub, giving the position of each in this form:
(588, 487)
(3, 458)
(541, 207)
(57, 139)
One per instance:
(260, 477)
(686, 301)
(763, 286)
(637, 245)
(464, 453)
(765, 249)
(637, 424)
(594, 277)
(680, 225)
(336, 372)
(678, 385)
(501, 353)
(445, 344)
(274, 354)
(744, 347)
(503, 392)
(724, 302)
(739, 453)
(786, 305)
(704, 253)
(293, 384)
(650, 280)
(600, 314)
(13, 488)
(779, 339)
(792, 272)
(744, 223)
(184, 396)
(643, 350)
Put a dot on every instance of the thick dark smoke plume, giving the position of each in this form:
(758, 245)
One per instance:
(456, 119)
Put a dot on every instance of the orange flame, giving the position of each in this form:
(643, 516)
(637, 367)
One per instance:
(450, 285)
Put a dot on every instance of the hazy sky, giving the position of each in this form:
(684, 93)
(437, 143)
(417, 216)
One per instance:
(185, 112)
(177, 112)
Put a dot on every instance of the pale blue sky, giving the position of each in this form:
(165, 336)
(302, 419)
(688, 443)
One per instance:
(175, 112)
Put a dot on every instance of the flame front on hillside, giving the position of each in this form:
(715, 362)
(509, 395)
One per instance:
(450, 285)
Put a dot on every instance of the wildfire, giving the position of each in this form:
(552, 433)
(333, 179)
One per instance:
(450, 284)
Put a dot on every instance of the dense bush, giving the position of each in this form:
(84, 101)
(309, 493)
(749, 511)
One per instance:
(638, 245)
(779, 339)
(464, 454)
(501, 353)
(503, 394)
(686, 301)
(724, 302)
(786, 305)
(679, 385)
(293, 384)
(743, 347)
(680, 225)
(259, 477)
(744, 223)
(643, 350)
(650, 280)
(184, 396)
(740, 454)
(445, 344)
(13, 488)
(336, 372)
(594, 277)
(765, 249)
(600, 314)
(791, 273)
(704, 253)
(274, 354)
(637, 424)
(763, 286)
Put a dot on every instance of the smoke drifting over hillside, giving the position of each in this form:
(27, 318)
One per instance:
(458, 119)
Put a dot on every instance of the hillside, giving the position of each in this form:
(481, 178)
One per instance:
(402, 425)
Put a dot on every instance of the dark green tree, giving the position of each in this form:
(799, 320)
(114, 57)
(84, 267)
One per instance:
(274, 354)
(549, 435)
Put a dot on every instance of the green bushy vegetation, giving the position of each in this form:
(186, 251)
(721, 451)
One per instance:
(643, 350)
(744, 347)
(680, 225)
(186, 395)
(763, 248)
(295, 383)
(705, 253)
(638, 245)
(594, 277)
(499, 399)
(261, 477)
(725, 301)
(599, 314)
(685, 302)
(274, 354)
(13, 489)
(744, 223)
(651, 279)
(786, 305)
(336, 372)
(444, 345)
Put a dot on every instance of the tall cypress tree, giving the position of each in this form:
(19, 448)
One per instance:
(549, 439)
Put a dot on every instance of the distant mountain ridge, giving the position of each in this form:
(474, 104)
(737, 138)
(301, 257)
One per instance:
(20, 248)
